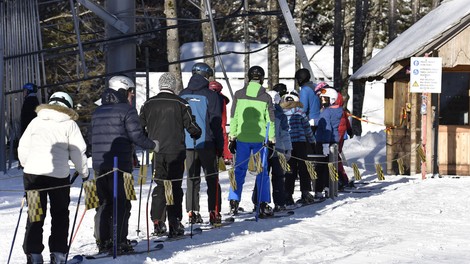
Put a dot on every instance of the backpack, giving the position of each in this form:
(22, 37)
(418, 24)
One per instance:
(199, 105)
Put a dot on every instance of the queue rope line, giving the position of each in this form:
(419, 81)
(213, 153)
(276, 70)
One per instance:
(387, 129)
(92, 201)
(399, 160)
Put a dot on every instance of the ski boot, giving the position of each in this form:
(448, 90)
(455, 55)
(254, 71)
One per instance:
(176, 228)
(33, 258)
(265, 210)
(57, 258)
(215, 218)
(159, 228)
(195, 217)
(234, 207)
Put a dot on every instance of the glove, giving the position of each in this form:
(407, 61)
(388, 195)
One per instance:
(271, 145)
(271, 149)
(288, 154)
(232, 146)
(85, 178)
(157, 146)
(75, 175)
(197, 135)
(350, 134)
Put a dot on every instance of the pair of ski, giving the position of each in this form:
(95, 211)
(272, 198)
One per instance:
(241, 213)
(79, 258)
(187, 234)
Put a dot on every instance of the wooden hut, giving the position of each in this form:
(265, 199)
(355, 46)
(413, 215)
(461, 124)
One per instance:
(442, 126)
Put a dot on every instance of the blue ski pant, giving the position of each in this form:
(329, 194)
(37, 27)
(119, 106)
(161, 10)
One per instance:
(244, 150)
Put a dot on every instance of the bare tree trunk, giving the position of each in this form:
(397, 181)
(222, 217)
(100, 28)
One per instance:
(173, 44)
(392, 19)
(338, 42)
(372, 29)
(348, 18)
(436, 3)
(273, 50)
(415, 10)
(207, 38)
(362, 7)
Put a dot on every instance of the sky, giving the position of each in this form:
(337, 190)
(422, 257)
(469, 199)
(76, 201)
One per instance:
(402, 219)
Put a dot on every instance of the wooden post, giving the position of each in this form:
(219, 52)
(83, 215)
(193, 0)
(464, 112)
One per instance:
(424, 106)
(413, 128)
(429, 135)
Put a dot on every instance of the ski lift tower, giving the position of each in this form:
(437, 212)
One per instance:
(119, 17)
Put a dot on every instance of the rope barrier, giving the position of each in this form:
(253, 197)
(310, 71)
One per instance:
(399, 160)
(387, 129)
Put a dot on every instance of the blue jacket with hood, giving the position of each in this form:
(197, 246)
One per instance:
(206, 106)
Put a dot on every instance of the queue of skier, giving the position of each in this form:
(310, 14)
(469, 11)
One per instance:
(288, 123)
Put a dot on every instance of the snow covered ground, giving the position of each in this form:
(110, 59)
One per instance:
(403, 219)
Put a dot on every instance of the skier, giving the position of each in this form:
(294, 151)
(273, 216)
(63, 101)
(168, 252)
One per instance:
(310, 102)
(207, 107)
(30, 103)
(165, 117)
(343, 128)
(252, 109)
(115, 128)
(44, 151)
(217, 87)
(300, 134)
(280, 88)
(284, 146)
(327, 130)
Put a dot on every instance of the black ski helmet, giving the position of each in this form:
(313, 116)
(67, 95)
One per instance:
(203, 69)
(280, 88)
(302, 76)
(256, 73)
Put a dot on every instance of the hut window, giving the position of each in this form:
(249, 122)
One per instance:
(454, 103)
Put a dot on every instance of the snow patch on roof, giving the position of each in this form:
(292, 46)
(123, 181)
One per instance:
(429, 29)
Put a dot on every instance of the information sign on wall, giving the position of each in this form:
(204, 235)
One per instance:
(425, 75)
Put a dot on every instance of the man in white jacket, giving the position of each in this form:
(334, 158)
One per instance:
(49, 141)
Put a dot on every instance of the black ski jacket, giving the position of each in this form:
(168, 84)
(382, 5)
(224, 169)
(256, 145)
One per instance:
(115, 127)
(166, 116)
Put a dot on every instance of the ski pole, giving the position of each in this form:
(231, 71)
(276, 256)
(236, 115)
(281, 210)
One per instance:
(78, 226)
(16, 229)
(140, 194)
(192, 192)
(147, 205)
(75, 217)
(115, 209)
(259, 190)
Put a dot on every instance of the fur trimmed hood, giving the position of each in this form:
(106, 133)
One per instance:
(291, 104)
(61, 109)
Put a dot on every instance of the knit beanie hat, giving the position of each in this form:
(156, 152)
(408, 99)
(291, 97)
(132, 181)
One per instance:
(167, 82)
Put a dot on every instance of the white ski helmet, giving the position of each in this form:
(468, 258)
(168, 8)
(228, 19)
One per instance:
(62, 99)
(330, 93)
(291, 96)
(276, 98)
(120, 82)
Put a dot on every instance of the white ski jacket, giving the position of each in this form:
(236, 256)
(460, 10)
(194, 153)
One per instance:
(50, 140)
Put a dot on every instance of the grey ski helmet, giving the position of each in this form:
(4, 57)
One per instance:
(203, 69)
